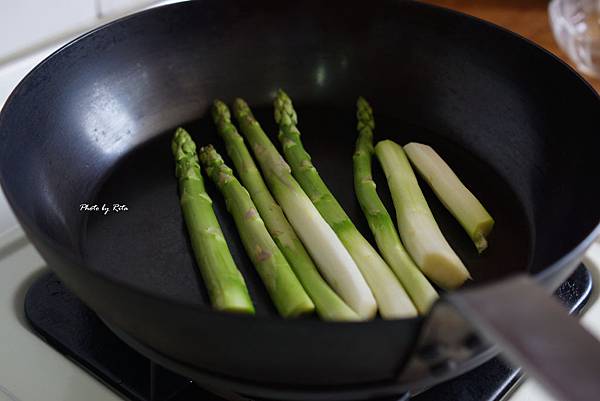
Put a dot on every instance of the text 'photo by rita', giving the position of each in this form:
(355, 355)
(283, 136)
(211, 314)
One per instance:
(104, 208)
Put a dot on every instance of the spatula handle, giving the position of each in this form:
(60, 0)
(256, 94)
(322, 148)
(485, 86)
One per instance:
(535, 332)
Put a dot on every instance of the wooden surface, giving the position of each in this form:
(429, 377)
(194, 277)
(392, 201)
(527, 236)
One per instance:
(528, 18)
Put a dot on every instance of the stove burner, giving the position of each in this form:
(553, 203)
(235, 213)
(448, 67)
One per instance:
(73, 329)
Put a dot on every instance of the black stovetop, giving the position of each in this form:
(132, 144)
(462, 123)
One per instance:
(74, 330)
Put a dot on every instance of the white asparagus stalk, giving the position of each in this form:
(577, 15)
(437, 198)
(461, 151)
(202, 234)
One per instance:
(463, 205)
(323, 245)
(416, 224)
(392, 299)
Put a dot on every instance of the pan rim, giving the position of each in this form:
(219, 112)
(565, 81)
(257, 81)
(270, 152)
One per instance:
(322, 392)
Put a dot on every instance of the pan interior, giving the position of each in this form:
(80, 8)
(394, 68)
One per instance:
(147, 246)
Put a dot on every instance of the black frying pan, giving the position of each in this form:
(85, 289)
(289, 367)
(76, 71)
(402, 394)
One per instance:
(92, 124)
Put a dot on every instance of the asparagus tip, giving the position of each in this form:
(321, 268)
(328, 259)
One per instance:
(220, 112)
(362, 102)
(284, 109)
(180, 131)
(180, 136)
(182, 144)
(282, 95)
(364, 115)
(241, 108)
(208, 155)
(214, 163)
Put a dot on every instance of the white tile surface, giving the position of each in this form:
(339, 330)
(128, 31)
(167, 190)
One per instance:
(30, 370)
(27, 23)
(114, 7)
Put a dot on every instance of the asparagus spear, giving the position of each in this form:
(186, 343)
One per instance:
(226, 287)
(469, 212)
(283, 286)
(390, 295)
(330, 256)
(418, 229)
(419, 289)
(328, 304)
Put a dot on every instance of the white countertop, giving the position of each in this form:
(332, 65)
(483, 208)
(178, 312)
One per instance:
(30, 370)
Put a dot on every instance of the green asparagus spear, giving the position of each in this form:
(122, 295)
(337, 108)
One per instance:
(419, 289)
(463, 205)
(283, 286)
(418, 228)
(325, 248)
(225, 283)
(328, 304)
(390, 295)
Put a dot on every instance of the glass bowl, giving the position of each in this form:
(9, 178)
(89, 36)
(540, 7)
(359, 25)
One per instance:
(576, 27)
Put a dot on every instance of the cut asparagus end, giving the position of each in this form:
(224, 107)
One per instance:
(445, 270)
(420, 290)
(455, 196)
(480, 242)
(328, 304)
(225, 284)
(391, 297)
(283, 286)
(418, 229)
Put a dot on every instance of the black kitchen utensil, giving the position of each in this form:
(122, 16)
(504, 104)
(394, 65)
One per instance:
(92, 124)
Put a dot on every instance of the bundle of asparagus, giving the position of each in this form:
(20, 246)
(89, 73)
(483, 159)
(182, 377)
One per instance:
(328, 304)
(330, 256)
(226, 286)
(420, 290)
(277, 220)
(390, 295)
(285, 290)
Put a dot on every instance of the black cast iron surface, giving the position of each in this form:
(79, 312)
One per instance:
(74, 330)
